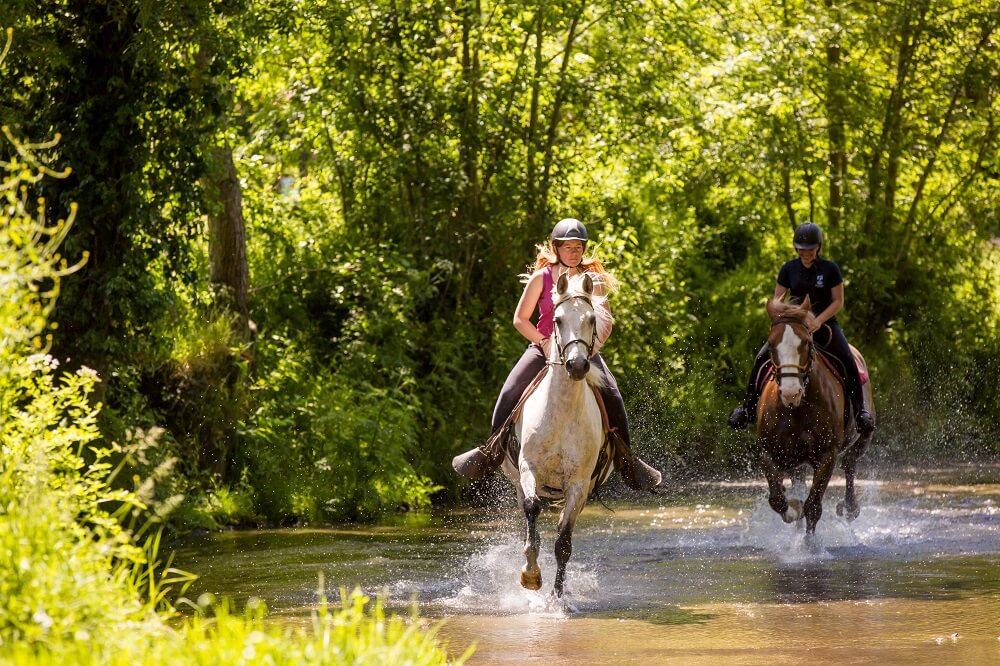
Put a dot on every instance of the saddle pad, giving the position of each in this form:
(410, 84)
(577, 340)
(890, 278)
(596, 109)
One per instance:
(834, 364)
(862, 371)
(767, 371)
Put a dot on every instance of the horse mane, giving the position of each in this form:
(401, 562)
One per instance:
(801, 312)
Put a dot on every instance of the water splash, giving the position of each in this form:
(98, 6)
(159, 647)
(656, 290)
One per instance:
(488, 583)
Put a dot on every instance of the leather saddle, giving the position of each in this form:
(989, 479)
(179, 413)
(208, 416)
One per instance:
(503, 443)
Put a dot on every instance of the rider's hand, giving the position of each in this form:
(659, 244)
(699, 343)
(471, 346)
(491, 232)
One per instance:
(545, 344)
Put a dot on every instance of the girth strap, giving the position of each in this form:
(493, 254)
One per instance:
(504, 442)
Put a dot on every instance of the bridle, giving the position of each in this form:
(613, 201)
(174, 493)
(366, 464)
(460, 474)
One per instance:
(799, 372)
(561, 348)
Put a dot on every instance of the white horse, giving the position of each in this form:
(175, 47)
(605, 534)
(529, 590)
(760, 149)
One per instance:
(560, 427)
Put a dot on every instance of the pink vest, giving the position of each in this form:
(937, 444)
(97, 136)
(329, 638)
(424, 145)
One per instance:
(545, 306)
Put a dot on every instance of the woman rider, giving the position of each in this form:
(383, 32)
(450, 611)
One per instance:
(821, 280)
(564, 254)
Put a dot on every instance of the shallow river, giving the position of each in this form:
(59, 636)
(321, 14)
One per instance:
(706, 575)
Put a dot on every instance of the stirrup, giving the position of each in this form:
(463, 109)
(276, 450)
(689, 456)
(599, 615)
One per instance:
(864, 422)
(739, 418)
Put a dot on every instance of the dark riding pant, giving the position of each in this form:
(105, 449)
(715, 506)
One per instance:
(530, 364)
(527, 367)
(830, 338)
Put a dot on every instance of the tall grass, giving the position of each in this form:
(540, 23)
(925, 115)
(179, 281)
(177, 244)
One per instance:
(355, 633)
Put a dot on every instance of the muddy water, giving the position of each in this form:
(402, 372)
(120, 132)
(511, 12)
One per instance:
(706, 575)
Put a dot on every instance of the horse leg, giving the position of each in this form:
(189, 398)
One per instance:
(790, 511)
(531, 574)
(849, 507)
(821, 477)
(575, 499)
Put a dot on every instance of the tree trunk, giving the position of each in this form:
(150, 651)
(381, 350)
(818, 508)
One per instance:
(879, 215)
(229, 273)
(230, 279)
(531, 186)
(835, 113)
(471, 205)
(556, 115)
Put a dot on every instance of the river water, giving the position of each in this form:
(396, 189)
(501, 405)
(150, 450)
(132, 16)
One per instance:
(708, 574)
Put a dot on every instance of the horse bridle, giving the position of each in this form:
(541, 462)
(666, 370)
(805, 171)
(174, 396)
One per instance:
(562, 348)
(801, 372)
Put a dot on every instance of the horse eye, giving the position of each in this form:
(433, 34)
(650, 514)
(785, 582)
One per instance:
(557, 320)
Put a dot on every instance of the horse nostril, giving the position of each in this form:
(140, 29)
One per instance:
(578, 367)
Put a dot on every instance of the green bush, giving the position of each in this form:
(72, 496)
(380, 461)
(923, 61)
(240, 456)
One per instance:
(65, 556)
(324, 446)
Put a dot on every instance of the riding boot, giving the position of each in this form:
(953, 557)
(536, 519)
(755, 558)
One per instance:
(840, 348)
(483, 460)
(635, 473)
(863, 420)
(746, 413)
(740, 417)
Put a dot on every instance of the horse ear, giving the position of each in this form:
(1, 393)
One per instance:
(562, 285)
(772, 308)
(588, 284)
(806, 306)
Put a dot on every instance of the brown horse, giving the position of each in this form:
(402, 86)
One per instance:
(800, 418)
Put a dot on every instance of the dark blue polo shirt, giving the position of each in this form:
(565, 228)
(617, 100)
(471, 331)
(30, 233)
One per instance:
(817, 281)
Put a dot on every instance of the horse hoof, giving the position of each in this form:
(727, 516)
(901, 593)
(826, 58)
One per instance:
(851, 514)
(793, 512)
(531, 580)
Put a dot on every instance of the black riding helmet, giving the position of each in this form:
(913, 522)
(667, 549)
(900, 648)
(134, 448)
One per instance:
(569, 229)
(808, 236)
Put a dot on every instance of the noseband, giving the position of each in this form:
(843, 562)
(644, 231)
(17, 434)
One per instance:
(799, 372)
(562, 348)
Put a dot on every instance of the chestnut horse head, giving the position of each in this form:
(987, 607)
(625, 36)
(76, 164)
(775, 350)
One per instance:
(792, 350)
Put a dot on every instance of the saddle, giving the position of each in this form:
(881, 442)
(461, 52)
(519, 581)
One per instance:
(835, 366)
(614, 450)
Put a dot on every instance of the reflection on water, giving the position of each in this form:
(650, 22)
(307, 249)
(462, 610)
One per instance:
(710, 574)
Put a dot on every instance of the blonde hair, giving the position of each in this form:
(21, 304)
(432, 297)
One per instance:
(547, 256)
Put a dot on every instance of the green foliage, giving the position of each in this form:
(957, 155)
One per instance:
(65, 553)
(692, 139)
(398, 166)
(64, 556)
(324, 445)
(75, 586)
(355, 633)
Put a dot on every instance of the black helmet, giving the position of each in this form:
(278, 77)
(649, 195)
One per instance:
(808, 236)
(569, 229)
